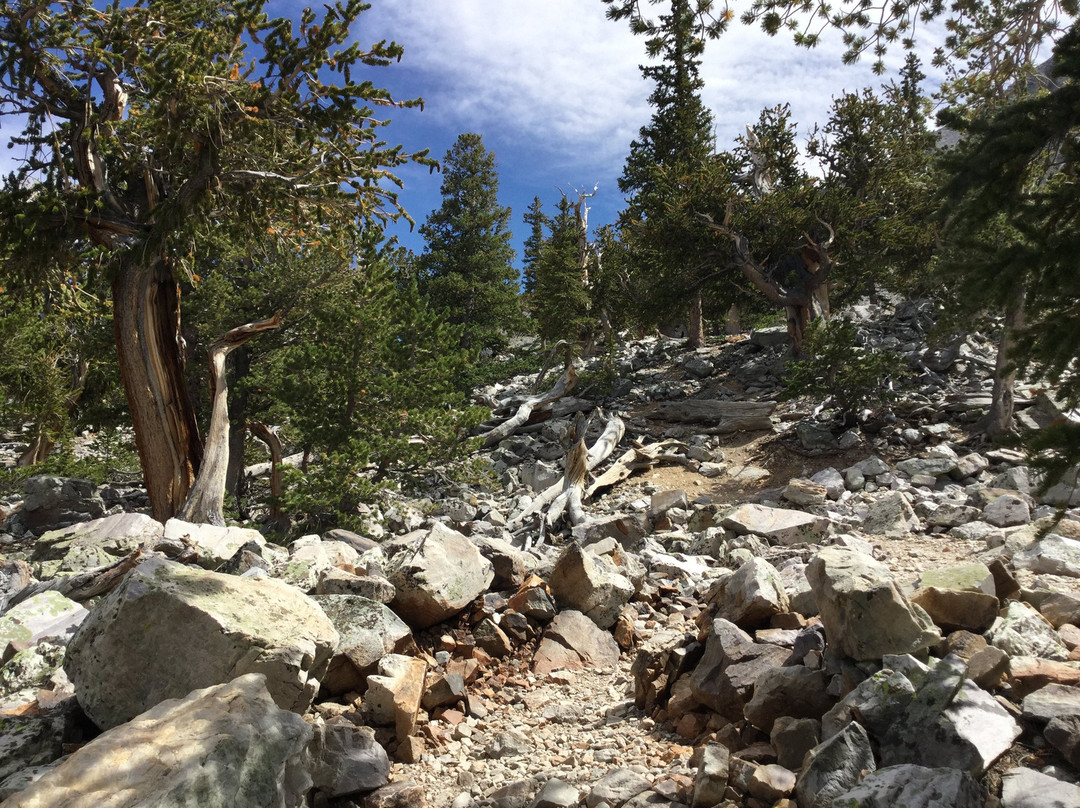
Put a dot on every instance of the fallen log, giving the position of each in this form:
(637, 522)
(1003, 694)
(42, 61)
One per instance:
(638, 458)
(565, 384)
(83, 585)
(720, 416)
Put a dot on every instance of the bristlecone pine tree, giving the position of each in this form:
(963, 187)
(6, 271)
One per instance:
(148, 124)
(467, 264)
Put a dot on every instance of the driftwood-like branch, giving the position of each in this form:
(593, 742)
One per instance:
(638, 458)
(614, 429)
(277, 488)
(565, 384)
(84, 585)
(205, 503)
(573, 481)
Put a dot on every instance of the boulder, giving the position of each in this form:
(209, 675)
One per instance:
(889, 514)
(752, 595)
(590, 584)
(29, 740)
(1063, 733)
(778, 525)
(833, 767)
(1050, 702)
(724, 679)
(213, 545)
(92, 544)
(310, 558)
(1021, 631)
(951, 721)
(572, 641)
(334, 581)
(55, 502)
(711, 780)
(833, 482)
(877, 703)
(863, 610)
(794, 691)
(1053, 555)
(792, 738)
(958, 597)
(617, 787)
(47, 615)
(368, 631)
(345, 759)
(223, 746)
(437, 573)
(1027, 788)
(168, 629)
(1007, 510)
(913, 786)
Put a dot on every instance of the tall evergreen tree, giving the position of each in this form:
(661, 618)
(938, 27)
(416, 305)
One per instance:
(467, 265)
(561, 307)
(675, 144)
(536, 220)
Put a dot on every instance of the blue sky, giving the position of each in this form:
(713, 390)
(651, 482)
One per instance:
(555, 90)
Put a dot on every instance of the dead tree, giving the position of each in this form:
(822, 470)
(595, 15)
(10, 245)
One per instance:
(205, 501)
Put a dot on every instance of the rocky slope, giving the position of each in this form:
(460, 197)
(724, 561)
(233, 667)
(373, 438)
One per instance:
(790, 616)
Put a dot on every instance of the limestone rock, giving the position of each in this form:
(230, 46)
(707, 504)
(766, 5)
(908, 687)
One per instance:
(368, 631)
(805, 492)
(1063, 733)
(29, 740)
(96, 543)
(572, 642)
(1053, 554)
(345, 759)
(437, 573)
(590, 584)
(834, 766)
(1007, 510)
(889, 514)
(792, 738)
(877, 703)
(219, 747)
(724, 679)
(393, 695)
(779, 525)
(712, 776)
(616, 787)
(913, 786)
(168, 629)
(792, 691)
(752, 595)
(1052, 701)
(863, 610)
(1022, 631)
(213, 545)
(46, 615)
(1026, 788)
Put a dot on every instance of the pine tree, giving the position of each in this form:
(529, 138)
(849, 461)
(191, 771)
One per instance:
(467, 265)
(561, 305)
(536, 220)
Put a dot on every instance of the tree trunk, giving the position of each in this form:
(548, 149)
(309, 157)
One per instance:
(205, 503)
(235, 481)
(277, 487)
(1003, 397)
(146, 323)
(695, 323)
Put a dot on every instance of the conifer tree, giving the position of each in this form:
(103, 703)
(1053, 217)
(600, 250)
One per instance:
(561, 304)
(536, 220)
(467, 265)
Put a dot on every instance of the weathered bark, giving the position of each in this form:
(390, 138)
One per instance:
(723, 416)
(205, 503)
(573, 481)
(565, 384)
(277, 488)
(1003, 397)
(638, 458)
(235, 480)
(695, 324)
(146, 316)
(82, 586)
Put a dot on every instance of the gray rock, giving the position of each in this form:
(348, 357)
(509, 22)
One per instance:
(1053, 555)
(805, 492)
(832, 480)
(699, 368)
(538, 475)
(871, 467)
(1063, 733)
(510, 743)
(834, 766)
(752, 595)
(877, 703)
(92, 544)
(1026, 788)
(617, 787)
(792, 738)
(393, 695)
(979, 531)
(334, 581)
(220, 747)
(29, 740)
(47, 615)
(213, 545)
(168, 629)
(913, 786)
(572, 641)
(437, 573)
(951, 721)
(590, 584)
(969, 465)
(1007, 510)
(814, 437)
(724, 679)
(779, 525)
(556, 794)
(56, 502)
(1022, 631)
(346, 759)
(863, 610)
(930, 466)
(889, 514)
(1052, 701)
(711, 780)
(793, 691)
(368, 631)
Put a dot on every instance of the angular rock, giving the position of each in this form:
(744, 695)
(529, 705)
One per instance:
(29, 740)
(779, 525)
(711, 780)
(574, 642)
(492, 638)
(863, 610)
(930, 466)
(168, 629)
(443, 690)
(1026, 788)
(1053, 555)
(792, 738)
(877, 703)
(393, 695)
(913, 786)
(1061, 608)
(590, 584)
(1052, 701)
(771, 782)
(834, 766)
(752, 595)
(616, 787)
(368, 631)
(219, 747)
(833, 482)
(1007, 510)
(510, 743)
(1063, 733)
(45, 616)
(437, 573)
(345, 759)
(556, 794)
(213, 545)
(509, 564)
(96, 543)
(724, 679)
(1022, 631)
(792, 691)
(951, 721)
(805, 492)
(889, 514)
